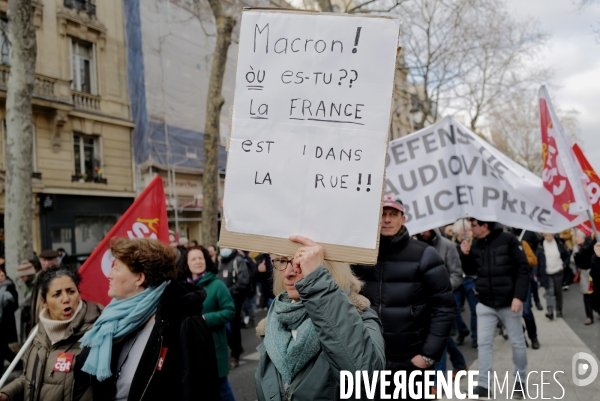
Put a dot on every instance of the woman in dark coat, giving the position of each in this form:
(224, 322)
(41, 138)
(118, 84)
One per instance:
(196, 267)
(151, 342)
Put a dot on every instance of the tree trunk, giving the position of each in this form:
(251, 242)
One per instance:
(210, 177)
(19, 135)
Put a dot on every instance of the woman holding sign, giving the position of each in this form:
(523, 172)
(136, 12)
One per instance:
(49, 362)
(317, 326)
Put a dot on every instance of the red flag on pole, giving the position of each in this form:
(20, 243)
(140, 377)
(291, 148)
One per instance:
(593, 190)
(145, 218)
(560, 174)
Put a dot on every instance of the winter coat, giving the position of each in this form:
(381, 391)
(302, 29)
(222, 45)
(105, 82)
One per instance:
(410, 289)
(8, 306)
(235, 275)
(189, 365)
(595, 275)
(350, 337)
(266, 278)
(501, 267)
(541, 256)
(449, 254)
(39, 363)
(219, 310)
(583, 256)
(583, 260)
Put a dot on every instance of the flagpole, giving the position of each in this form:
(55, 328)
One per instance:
(522, 235)
(18, 357)
(592, 224)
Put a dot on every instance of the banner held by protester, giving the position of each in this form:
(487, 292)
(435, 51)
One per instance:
(309, 132)
(445, 172)
(145, 218)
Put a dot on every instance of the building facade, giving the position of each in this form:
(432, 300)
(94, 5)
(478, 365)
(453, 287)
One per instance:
(83, 176)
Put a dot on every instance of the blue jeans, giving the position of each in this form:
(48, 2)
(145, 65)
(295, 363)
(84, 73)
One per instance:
(468, 287)
(488, 321)
(225, 392)
(528, 317)
(456, 357)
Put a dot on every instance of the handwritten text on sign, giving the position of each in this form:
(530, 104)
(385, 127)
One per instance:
(310, 126)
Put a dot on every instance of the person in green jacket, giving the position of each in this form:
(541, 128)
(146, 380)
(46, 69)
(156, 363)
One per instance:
(198, 268)
(317, 326)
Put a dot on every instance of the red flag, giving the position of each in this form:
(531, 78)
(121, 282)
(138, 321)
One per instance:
(593, 190)
(145, 218)
(559, 171)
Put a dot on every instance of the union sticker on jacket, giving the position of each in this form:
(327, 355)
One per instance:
(225, 273)
(63, 362)
(161, 360)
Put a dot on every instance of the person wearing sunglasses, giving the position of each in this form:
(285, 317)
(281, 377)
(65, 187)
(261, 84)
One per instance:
(317, 326)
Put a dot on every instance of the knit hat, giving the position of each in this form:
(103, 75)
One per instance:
(25, 269)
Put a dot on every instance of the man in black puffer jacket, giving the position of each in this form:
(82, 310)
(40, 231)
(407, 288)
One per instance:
(498, 260)
(410, 289)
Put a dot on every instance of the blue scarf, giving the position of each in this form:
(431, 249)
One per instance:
(119, 318)
(288, 355)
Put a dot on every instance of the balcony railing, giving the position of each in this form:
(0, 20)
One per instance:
(42, 85)
(86, 101)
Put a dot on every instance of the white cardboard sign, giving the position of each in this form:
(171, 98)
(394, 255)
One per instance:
(310, 126)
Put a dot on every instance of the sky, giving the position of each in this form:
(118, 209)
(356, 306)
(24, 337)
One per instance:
(574, 54)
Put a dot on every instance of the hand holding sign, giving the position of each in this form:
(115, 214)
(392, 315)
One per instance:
(309, 256)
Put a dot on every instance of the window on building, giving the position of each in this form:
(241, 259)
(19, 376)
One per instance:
(83, 67)
(87, 158)
(4, 43)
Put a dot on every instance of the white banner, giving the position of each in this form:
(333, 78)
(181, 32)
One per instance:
(310, 126)
(445, 172)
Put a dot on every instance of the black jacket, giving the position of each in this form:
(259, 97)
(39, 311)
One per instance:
(501, 266)
(583, 256)
(410, 289)
(189, 370)
(595, 274)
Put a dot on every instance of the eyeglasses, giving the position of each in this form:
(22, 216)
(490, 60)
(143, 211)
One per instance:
(281, 263)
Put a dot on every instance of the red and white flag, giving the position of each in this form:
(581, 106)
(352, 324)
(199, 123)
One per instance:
(561, 175)
(593, 190)
(145, 218)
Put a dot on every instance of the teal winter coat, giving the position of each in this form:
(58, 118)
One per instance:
(218, 311)
(351, 339)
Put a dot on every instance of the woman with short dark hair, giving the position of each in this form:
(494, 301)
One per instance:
(48, 369)
(151, 342)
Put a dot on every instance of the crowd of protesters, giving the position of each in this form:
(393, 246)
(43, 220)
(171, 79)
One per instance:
(173, 327)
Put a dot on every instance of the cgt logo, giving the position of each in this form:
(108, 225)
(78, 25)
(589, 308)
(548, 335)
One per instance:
(581, 368)
(142, 228)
